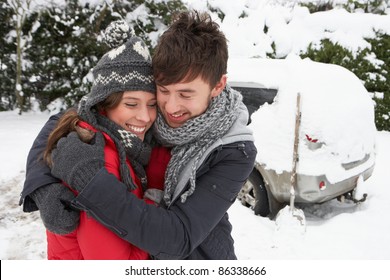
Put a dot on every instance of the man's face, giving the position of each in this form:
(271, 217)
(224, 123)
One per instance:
(183, 101)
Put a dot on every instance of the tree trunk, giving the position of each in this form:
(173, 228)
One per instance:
(21, 9)
(20, 100)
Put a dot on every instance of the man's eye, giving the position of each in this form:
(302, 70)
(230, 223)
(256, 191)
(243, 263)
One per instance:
(163, 91)
(185, 96)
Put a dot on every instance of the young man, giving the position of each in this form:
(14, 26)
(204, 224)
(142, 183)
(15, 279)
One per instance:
(202, 121)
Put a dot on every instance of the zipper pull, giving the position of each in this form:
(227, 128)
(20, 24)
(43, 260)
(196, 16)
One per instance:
(241, 147)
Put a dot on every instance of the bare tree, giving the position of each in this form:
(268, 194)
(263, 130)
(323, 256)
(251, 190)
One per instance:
(22, 9)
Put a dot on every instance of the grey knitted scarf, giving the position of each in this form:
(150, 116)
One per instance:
(193, 138)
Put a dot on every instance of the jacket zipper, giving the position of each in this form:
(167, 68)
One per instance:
(240, 146)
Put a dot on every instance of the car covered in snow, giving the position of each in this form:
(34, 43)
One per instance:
(335, 135)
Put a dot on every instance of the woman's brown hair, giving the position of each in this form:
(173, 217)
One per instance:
(68, 123)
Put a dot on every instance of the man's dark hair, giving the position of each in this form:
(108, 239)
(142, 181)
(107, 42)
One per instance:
(193, 45)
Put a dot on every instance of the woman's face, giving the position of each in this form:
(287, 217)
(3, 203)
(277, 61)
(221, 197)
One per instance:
(136, 112)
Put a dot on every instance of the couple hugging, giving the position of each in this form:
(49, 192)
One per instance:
(154, 156)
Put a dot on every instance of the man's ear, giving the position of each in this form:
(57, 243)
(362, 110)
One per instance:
(219, 86)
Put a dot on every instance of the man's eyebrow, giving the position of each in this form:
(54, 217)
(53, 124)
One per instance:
(161, 86)
(189, 90)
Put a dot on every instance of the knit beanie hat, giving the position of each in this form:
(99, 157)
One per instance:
(127, 67)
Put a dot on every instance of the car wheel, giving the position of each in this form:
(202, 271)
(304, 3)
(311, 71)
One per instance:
(254, 194)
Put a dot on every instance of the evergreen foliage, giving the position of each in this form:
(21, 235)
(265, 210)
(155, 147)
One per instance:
(368, 6)
(7, 64)
(63, 50)
(380, 46)
(158, 13)
(65, 45)
(319, 6)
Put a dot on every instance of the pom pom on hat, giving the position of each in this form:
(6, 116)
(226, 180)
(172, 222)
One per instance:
(117, 33)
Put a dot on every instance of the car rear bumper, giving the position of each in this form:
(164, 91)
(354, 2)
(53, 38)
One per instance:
(308, 187)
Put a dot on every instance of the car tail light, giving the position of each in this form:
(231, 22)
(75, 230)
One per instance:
(313, 143)
(311, 139)
(322, 186)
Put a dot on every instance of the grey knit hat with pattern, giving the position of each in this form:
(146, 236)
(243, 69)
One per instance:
(126, 67)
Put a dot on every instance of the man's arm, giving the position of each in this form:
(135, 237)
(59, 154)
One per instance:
(44, 192)
(175, 232)
(38, 174)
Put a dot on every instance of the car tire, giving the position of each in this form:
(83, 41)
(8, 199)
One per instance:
(261, 196)
(254, 194)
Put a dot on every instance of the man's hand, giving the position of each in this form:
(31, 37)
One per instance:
(76, 162)
(52, 201)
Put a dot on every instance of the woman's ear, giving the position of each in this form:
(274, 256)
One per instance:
(219, 86)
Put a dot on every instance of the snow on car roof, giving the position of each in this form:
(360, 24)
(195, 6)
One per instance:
(336, 109)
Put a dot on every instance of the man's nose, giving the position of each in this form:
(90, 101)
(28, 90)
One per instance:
(172, 104)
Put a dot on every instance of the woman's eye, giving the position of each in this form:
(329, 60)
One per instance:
(130, 104)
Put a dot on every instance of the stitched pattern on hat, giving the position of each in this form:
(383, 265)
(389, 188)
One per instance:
(127, 138)
(122, 79)
(115, 52)
(142, 50)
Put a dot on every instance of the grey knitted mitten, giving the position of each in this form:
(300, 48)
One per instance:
(155, 195)
(56, 216)
(76, 162)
